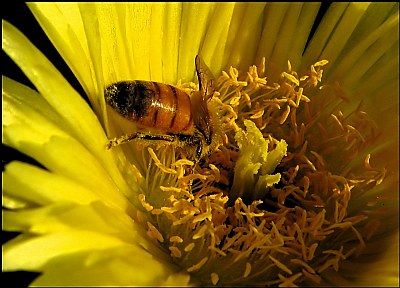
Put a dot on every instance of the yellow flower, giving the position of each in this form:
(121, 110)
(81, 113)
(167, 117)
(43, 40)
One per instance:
(301, 189)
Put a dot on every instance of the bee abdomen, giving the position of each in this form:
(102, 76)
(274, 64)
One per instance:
(151, 104)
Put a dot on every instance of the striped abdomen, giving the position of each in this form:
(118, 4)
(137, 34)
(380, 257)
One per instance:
(151, 104)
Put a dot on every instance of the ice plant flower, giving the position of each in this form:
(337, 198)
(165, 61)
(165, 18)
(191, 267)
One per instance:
(302, 188)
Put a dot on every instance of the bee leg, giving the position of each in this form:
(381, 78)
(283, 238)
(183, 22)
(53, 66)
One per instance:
(144, 136)
(199, 149)
(126, 138)
(121, 140)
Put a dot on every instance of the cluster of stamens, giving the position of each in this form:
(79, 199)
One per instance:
(302, 227)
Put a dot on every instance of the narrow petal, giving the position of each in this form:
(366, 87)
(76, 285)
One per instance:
(275, 16)
(53, 87)
(156, 41)
(292, 33)
(285, 32)
(336, 28)
(75, 113)
(365, 55)
(244, 34)
(214, 50)
(384, 266)
(323, 33)
(171, 31)
(302, 29)
(31, 98)
(105, 236)
(30, 183)
(63, 25)
(195, 17)
(110, 267)
(41, 249)
(63, 216)
(35, 135)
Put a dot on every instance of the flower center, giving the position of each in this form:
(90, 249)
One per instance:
(270, 206)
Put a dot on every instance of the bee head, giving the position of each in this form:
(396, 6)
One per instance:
(131, 99)
(117, 97)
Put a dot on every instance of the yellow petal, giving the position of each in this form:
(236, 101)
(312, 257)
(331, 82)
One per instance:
(62, 23)
(335, 29)
(35, 135)
(364, 56)
(74, 112)
(214, 50)
(42, 249)
(53, 87)
(125, 266)
(244, 34)
(30, 183)
(65, 215)
(195, 17)
(285, 33)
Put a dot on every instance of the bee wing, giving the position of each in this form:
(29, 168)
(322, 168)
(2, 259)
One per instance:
(206, 78)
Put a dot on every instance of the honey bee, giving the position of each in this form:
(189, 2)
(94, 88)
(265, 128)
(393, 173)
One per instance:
(166, 113)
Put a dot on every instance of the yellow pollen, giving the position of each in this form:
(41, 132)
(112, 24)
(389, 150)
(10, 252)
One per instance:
(200, 233)
(304, 264)
(147, 206)
(247, 270)
(175, 239)
(158, 162)
(288, 282)
(285, 115)
(219, 251)
(156, 211)
(189, 247)
(184, 219)
(183, 162)
(235, 101)
(320, 63)
(175, 252)
(280, 265)
(202, 217)
(257, 115)
(214, 278)
(291, 78)
(311, 251)
(197, 266)
(154, 233)
(138, 175)
(170, 189)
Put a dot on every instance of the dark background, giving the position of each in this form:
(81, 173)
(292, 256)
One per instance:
(20, 16)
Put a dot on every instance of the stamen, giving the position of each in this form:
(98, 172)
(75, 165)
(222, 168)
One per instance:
(158, 162)
(247, 270)
(197, 266)
(285, 222)
(175, 239)
(285, 115)
(154, 233)
(214, 278)
(189, 247)
(175, 252)
(288, 282)
(280, 265)
(170, 189)
(291, 78)
(147, 206)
